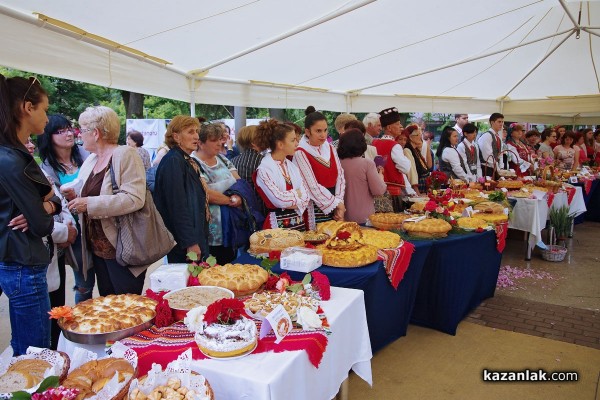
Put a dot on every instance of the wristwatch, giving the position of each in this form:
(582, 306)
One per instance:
(232, 200)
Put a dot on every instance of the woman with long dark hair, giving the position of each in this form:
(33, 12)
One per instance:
(61, 160)
(321, 171)
(451, 163)
(27, 203)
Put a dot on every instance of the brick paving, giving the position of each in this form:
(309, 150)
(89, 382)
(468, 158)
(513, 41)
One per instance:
(566, 324)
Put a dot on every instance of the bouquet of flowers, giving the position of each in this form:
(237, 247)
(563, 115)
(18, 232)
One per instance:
(436, 180)
(440, 205)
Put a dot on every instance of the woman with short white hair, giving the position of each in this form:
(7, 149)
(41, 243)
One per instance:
(98, 206)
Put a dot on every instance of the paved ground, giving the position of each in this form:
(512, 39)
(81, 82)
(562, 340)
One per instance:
(566, 324)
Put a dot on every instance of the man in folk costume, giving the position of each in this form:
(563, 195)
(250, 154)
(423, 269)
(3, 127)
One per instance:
(396, 163)
(490, 144)
(469, 151)
(321, 171)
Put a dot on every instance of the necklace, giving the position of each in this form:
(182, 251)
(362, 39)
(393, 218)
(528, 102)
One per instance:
(69, 168)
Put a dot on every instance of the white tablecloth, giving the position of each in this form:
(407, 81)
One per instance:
(530, 215)
(290, 375)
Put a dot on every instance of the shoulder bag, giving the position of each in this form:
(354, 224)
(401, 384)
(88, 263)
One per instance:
(142, 237)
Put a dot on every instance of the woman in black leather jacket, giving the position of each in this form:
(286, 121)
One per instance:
(27, 203)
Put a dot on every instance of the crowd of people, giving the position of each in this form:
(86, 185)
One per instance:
(279, 175)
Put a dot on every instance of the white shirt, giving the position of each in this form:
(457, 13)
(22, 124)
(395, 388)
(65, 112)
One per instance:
(485, 146)
(451, 156)
(462, 150)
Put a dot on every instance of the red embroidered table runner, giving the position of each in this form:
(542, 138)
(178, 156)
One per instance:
(163, 345)
(396, 262)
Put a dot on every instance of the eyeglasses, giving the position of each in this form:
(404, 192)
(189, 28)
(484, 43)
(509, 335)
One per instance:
(553, 136)
(65, 131)
(30, 86)
(85, 130)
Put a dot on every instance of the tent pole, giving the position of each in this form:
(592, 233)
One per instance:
(286, 35)
(564, 6)
(193, 98)
(590, 32)
(466, 60)
(540, 62)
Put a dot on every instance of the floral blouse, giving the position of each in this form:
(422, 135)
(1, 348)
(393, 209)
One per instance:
(565, 156)
(218, 178)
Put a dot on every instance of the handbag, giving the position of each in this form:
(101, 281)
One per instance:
(142, 237)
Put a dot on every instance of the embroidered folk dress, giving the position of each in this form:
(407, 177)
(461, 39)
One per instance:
(281, 187)
(323, 176)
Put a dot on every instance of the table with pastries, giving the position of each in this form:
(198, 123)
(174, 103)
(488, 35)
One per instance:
(445, 280)
(271, 375)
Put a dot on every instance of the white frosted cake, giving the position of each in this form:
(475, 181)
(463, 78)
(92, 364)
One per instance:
(218, 340)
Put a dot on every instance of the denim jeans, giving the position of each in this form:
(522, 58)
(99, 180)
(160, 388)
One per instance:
(28, 304)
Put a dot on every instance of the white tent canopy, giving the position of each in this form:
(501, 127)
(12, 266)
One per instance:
(520, 57)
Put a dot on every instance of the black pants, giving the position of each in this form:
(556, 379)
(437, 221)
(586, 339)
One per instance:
(113, 278)
(57, 299)
(223, 254)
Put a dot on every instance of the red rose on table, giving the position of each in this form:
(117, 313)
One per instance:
(479, 230)
(164, 316)
(453, 222)
(224, 311)
(321, 283)
(430, 206)
(274, 255)
(271, 282)
(193, 281)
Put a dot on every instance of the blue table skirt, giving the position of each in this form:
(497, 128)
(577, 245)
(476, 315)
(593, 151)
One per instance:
(445, 296)
(460, 272)
(592, 203)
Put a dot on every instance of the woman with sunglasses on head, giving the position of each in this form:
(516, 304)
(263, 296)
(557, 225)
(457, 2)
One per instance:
(61, 160)
(519, 156)
(27, 203)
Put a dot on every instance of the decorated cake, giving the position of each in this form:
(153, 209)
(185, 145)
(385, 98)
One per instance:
(274, 240)
(241, 279)
(342, 235)
(223, 330)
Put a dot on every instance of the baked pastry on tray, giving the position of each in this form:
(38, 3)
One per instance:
(427, 228)
(388, 221)
(274, 240)
(241, 279)
(109, 314)
(358, 257)
(381, 239)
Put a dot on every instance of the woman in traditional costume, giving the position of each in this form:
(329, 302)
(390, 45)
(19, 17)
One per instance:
(278, 180)
(321, 171)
